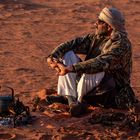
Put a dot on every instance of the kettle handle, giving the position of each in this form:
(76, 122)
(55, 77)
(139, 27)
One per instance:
(11, 90)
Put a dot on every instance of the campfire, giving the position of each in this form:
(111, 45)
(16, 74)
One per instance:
(12, 111)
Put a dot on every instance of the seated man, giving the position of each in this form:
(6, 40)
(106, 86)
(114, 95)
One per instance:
(104, 76)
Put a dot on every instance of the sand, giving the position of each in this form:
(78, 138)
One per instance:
(29, 30)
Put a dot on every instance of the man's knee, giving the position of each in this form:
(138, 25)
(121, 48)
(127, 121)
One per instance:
(70, 58)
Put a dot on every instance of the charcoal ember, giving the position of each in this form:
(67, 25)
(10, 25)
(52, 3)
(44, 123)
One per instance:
(5, 121)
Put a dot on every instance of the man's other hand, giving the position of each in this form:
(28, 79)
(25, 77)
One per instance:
(64, 69)
(52, 62)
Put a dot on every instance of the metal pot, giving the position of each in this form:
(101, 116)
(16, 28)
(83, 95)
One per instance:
(5, 102)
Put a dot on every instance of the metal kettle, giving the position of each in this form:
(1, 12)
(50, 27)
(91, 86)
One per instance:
(6, 101)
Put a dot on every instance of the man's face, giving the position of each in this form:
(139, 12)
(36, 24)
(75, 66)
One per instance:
(101, 27)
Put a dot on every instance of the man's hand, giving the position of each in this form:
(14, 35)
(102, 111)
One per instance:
(64, 69)
(59, 67)
(52, 62)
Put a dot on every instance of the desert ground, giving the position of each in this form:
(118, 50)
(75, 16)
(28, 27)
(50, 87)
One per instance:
(29, 31)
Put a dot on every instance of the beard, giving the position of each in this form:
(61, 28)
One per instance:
(101, 32)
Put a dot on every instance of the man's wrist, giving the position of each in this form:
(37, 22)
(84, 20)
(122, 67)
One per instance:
(71, 68)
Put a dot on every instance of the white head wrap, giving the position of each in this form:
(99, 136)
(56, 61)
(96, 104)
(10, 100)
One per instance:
(114, 18)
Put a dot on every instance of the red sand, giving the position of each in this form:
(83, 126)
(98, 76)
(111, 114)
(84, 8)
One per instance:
(29, 30)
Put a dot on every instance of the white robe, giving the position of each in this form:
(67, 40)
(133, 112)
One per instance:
(67, 85)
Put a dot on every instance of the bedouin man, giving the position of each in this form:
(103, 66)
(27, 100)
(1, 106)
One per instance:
(103, 78)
